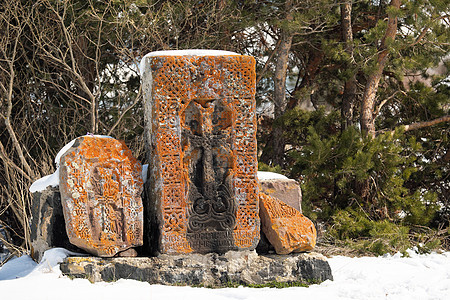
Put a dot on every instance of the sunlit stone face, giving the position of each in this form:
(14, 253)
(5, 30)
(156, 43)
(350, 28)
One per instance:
(201, 128)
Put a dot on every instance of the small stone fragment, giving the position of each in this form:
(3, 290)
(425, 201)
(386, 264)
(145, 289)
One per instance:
(285, 227)
(287, 190)
(101, 186)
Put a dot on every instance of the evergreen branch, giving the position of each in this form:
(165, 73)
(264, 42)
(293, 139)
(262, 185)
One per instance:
(425, 30)
(378, 109)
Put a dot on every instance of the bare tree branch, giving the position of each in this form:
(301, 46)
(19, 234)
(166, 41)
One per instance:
(420, 125)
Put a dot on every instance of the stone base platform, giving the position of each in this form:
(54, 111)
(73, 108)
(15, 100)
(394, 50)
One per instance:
(211, 270)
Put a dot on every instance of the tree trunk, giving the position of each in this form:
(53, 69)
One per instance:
(349, 95)
(368, 101)
(279, 90)
(274, 150)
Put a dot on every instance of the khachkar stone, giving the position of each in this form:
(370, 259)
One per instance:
(101, 186)
(201, 131)
(286, 228)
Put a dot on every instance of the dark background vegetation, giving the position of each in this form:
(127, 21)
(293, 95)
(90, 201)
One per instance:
(351, 103)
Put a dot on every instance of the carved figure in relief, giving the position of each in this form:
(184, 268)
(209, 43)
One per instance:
(106, 204)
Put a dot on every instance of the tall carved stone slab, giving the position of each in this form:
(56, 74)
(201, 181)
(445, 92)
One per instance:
(101, 186)
(201, 133)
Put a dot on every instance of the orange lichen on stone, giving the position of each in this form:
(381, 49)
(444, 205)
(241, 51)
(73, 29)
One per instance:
(101, 186)
(285, 227)
(201, 124)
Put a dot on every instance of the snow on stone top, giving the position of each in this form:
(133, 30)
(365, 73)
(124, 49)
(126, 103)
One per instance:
(62, 151)
(190, 52)
(187, 52)
(53, 179)
(262, 175)
(42, 183)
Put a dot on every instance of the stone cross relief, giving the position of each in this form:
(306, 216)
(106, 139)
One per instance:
(105, 210)
(207, 125)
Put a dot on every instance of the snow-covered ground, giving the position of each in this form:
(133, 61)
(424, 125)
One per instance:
(387, 277)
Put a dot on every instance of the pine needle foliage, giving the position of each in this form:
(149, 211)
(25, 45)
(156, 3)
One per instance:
(360, 187)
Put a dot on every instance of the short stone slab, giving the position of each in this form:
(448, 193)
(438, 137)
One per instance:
(101, 186)
(209, 270)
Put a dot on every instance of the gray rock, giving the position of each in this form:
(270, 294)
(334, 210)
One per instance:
(47, 223)
(241, 267)
(286, 190)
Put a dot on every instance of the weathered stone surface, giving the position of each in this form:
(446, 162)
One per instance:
(286, 190)
(47, 223)
(101, 186)
(201, 130)
(285, 227)
(243, 267)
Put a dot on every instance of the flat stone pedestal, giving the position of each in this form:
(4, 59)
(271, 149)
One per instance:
(210, 270)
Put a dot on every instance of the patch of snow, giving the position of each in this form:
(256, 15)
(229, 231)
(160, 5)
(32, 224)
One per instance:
(53, 179)
(62, 151)
(17, 267)
(42, 183)
(425, 276)
(402, 214)
(262, 175)
(53, 257)
(144, 173)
